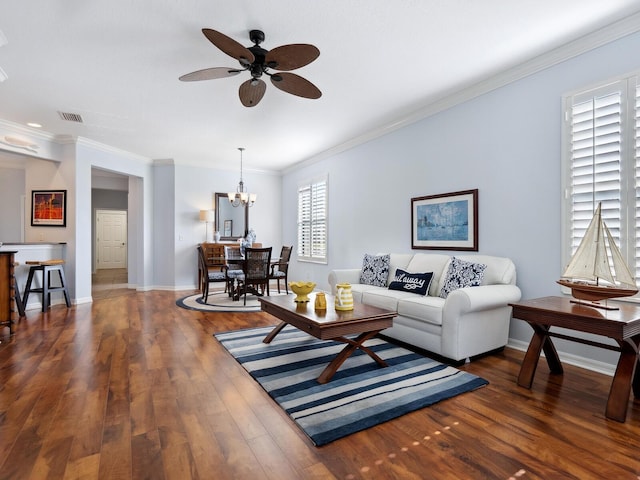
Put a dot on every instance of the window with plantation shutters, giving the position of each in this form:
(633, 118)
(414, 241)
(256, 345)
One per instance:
(601, 165)
(312, 221)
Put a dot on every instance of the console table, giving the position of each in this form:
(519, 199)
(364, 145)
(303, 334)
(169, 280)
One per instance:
(622, 325)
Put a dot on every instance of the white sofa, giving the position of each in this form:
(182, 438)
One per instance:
(469, 322)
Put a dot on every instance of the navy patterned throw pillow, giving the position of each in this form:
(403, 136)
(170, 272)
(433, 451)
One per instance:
(462, 274)
(375, 270)
(411, 282)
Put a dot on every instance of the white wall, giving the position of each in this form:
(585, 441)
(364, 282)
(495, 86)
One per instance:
(164, 226)
(505, 143)
(12, 183)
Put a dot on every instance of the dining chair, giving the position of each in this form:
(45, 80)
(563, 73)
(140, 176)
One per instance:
(257, 262)
(234, 265)
(209, 275)
(280, 269)
(214, 259)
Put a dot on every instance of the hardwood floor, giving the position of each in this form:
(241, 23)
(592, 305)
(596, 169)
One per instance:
(133, 387)
(111, 282)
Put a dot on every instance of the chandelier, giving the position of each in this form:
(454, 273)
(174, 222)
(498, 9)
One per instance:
(241, 196)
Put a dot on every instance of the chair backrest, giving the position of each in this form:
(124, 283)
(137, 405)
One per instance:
(233, 257)
(201, 260)
(257, 263)
(213, 254)
(285, 255)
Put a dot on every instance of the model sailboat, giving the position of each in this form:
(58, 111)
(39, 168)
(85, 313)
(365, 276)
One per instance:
(590, 275)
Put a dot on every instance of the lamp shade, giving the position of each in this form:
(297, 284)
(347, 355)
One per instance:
(207, 215)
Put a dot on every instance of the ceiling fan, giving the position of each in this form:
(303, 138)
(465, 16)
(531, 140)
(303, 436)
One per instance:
(258, 62)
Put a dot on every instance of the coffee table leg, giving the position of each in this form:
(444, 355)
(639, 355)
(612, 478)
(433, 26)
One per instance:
(352, 346)
(539, 341)
(272, 334)
(621, 384)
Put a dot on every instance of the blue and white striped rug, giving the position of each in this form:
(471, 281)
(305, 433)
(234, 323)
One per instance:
(360, 395)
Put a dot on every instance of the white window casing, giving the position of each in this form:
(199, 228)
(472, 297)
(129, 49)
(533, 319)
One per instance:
(312, 221)
(600, 163)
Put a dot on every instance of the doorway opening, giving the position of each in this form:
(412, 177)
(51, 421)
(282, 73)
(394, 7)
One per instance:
(110, 251)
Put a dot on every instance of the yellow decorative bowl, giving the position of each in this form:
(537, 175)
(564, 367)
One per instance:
(302, 290)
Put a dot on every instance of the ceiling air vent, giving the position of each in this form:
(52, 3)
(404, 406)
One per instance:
(71, 117)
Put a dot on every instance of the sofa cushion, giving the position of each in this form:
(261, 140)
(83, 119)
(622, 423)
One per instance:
(429, 262)
(375, 270)
(398, 260)
(357, 289)
(426, 309)
(461, 274)
(384, 298)
(500, 270)
(417, 283)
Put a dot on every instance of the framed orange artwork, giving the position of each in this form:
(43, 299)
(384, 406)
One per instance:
(48, 208)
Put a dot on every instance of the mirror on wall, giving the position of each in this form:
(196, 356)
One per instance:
(232, 222)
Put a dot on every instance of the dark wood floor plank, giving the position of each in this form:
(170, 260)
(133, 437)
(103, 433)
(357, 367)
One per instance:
(115, 455)
(132, 386)
(146, 456)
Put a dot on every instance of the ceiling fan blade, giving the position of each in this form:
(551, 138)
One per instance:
(295, 85)
(252, 91)
(210, 74)
(290, 57)
(229, 46)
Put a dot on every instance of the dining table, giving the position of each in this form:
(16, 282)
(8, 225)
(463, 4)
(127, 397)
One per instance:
(236, 284)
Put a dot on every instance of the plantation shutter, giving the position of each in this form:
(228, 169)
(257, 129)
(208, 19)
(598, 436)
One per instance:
(602, 164)
(595, 120)
(312, 221)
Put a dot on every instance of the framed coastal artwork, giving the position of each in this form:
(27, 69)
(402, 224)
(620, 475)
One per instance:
(48, 208)
(448, 221)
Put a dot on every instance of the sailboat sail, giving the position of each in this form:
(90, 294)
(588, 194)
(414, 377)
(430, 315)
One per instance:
(591, 263)
(622, 273)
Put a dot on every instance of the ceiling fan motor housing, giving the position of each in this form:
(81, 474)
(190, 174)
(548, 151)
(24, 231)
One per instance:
(258, 66)
(256, 36)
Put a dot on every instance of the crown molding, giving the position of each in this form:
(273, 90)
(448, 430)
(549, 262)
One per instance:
(607, 34)
(25, 130)
(163, 162)
(104, 148)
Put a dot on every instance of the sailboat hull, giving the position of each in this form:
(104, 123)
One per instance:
(594, 293)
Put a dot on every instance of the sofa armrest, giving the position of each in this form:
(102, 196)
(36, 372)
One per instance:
(475, 299)
(345, 275)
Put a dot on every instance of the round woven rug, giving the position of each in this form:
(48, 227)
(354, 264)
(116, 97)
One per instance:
(219, 302)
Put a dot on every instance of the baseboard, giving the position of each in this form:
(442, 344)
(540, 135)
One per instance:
(571, 359)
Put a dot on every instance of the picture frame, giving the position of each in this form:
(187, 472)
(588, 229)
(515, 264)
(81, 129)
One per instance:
(48, 208)
(447, 221)
(228, 228)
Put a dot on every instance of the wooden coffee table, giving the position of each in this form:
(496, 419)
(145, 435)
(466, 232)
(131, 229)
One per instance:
(330, 324)
(621, 325)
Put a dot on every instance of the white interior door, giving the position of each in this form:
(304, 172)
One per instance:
(111, 239)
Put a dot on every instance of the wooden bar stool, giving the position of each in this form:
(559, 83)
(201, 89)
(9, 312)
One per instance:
(16, 294)
(46, 267)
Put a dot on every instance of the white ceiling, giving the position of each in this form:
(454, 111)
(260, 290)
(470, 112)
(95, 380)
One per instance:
(117, 62)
